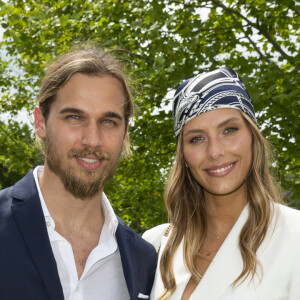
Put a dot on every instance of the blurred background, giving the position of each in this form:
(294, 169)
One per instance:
(161, 43)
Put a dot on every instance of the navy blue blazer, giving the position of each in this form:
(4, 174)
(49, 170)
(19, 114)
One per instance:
(28, 268)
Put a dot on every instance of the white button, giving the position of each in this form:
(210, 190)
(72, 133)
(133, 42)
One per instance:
(48, 223)
(77, 289)
(62, 242)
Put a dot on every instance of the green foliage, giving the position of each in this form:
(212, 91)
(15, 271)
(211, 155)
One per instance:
(162, 43)
(17, 153)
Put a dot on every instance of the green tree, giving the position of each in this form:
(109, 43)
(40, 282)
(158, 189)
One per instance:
(162, 43)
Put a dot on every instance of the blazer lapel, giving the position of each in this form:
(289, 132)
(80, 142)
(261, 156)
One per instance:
(126, 241)
(179, 268)
(28, 214)
(182, 273)
(226, 265)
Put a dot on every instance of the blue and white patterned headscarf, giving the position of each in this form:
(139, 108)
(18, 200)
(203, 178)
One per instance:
(222, 88)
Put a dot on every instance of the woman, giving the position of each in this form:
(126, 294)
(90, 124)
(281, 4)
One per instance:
(229, 235)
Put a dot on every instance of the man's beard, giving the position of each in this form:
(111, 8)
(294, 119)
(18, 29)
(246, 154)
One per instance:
(76, 185)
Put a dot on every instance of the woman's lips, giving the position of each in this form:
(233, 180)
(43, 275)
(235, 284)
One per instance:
(221, 170)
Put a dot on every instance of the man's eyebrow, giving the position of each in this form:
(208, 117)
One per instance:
(111, 114)
(72, 110)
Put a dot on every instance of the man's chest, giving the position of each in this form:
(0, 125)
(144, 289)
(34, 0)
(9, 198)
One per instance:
(81, 249)
(90, 272)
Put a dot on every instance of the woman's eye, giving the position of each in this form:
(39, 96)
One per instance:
(230, 129)
(196, 139)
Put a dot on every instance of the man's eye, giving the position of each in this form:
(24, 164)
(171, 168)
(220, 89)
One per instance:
(108, 122)
(72, 117)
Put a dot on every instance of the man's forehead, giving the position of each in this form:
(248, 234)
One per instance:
(82, 92)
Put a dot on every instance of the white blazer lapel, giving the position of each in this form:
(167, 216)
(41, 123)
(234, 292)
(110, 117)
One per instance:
(179, 268)
(226, 265)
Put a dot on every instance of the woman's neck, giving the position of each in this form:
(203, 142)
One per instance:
(223, 211)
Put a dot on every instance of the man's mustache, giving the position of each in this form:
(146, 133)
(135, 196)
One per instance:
(96, 153)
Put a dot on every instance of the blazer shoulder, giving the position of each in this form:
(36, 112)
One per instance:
(6, 197)
(22, 190)
(289, 221)
(290, 216)
(155, 234)
(6, 192)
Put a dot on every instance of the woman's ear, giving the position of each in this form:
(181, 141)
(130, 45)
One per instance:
(39, 123)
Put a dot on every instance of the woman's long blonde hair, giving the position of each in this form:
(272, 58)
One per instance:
(184, 200)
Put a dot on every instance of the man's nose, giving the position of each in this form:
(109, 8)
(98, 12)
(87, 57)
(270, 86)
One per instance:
(91, 135)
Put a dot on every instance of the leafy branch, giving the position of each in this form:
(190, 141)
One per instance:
(8, 135)
(128, 162)
(258, 27)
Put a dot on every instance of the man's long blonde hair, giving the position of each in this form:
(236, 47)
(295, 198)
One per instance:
(185, 203)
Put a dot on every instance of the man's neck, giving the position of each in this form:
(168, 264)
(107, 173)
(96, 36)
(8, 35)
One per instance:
(79, 221)
(67, 210)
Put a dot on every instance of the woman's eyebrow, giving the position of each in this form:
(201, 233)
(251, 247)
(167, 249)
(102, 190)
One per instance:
(193, 131)
(219, 126)
(228, 121)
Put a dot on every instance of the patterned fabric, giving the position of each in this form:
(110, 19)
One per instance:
(222, 88)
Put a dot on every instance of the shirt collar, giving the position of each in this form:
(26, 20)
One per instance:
(110, 217)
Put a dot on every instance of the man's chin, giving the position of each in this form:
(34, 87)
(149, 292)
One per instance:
(83, 183)
(84, 189)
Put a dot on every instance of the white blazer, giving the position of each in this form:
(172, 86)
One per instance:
(279, 256)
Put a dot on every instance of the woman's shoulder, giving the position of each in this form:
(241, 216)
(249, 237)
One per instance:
(289, 219)
(291, 215)
(155, 234)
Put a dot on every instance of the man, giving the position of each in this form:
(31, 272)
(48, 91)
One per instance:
(59, 236)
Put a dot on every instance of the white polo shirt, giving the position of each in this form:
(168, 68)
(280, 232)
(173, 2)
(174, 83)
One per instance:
(103, 276)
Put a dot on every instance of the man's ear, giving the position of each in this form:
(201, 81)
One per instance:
(39, 123)
(126, 143)
(125, 140)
